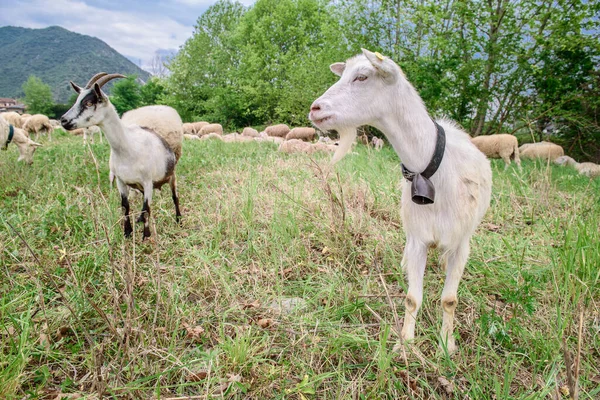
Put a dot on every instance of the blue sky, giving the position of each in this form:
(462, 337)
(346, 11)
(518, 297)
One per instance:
(136, 29)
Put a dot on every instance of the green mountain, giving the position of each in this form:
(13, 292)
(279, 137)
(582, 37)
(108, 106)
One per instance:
(56, 56)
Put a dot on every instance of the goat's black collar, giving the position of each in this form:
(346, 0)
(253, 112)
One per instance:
(11, 133)
(422, 189)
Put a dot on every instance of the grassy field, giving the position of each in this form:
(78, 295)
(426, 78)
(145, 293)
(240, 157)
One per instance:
(201, 311)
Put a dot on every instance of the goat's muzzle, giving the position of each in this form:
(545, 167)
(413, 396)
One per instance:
(66, 123)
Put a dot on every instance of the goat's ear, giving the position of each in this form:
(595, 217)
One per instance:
(75, 87)
(101, 96)
(384, 66)
(338, 68)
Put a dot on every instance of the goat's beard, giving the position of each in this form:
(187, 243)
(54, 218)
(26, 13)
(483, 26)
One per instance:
(347, 137)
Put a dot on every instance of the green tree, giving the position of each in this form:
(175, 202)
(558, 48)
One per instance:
(199, 85)
(38, 96)
(125, 94)
(152, 92)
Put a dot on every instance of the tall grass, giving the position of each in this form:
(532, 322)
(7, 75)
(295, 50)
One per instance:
(84, 311)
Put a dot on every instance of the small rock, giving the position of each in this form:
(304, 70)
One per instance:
(287, 305)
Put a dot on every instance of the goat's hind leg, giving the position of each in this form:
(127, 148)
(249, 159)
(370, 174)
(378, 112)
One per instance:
(173, 184)
(145, 216)
(124, 191)
(455, 267)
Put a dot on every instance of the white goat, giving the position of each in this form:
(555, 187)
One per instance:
(140, 158)
(373, 91)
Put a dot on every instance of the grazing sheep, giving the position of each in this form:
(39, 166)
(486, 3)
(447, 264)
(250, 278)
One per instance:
(188, 129)
(12, 118)
(499, 146)
(37, 124)
(212, 135)
(25, 145)
(363, 139)
(377, 143)
(77, 132)
(190, 137)
(327, 148)
(214, 128)
(447, 195)
(144, 145)
(300, 146)
(272, 139)
(197, 126)
(89, 132)
(586, 168)
(294, 146)
(250, 132)
(280, 130)
(306, 134)
(544, 150)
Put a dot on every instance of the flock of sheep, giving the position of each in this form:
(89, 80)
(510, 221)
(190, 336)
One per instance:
(296, 140)
(506, 147)
(146, 145)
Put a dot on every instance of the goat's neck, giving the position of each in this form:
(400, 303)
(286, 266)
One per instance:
(115, 132)
(410, 130)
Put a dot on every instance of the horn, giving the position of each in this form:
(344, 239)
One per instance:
(94, 79)
(103, 80)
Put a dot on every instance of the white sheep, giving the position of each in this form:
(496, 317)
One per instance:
(542, 150)
(38, 124)
(299, 146)
(280, 130)
(145, 145)
(585, 168)
(373, 91)
(306, 134)
(197, 126)
(210, 128)
(503, 146)
(377, 143)
(248, 131)
(12, 118)
(190, 137)
(212, 135)
(89, 132)
(188, 129)
(26, 146)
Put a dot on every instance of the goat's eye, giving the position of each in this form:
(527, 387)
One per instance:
(88, 103)
(360, 78)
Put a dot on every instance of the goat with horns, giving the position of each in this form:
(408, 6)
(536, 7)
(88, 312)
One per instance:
(140, 157)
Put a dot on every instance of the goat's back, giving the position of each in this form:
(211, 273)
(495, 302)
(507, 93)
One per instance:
(163, 120)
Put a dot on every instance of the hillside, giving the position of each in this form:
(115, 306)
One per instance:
(56, 56)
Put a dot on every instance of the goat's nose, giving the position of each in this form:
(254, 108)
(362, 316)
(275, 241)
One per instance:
(315, 107)
(63, 120)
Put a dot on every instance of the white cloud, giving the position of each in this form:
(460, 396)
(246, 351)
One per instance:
(134, 34)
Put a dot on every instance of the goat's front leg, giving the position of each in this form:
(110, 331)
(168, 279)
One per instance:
(413, 262)
(124, 191)
(173, 184)
(145, 216)
(457, 260)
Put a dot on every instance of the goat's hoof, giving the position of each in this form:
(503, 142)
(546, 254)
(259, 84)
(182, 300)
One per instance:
(449, 347)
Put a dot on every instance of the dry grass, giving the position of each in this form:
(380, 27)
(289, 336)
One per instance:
(189, 315)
